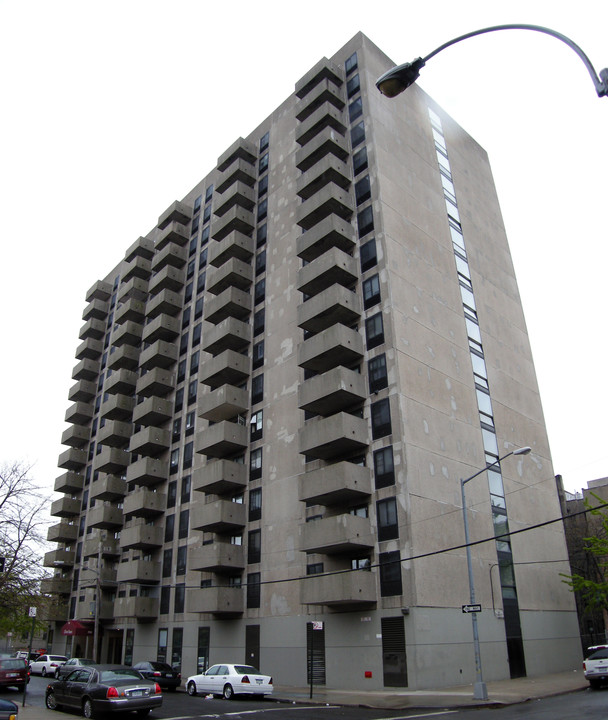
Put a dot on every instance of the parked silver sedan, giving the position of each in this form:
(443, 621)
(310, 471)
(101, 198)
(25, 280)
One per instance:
(227, 680)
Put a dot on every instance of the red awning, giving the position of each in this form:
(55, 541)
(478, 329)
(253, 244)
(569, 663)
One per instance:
(75, 627)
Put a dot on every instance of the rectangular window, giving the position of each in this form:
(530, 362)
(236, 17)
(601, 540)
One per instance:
(192, 387)
(360, 161)
(208, 193)
(260, 262)
(314, 568)
(363, 190)
(377, 373)
(194, 362)
(355, 109)
(179, 397)
(169, 527)
(183, 524)
(388, 526)
(371, 291)
(174, 460)
(256, 425)
(255, 504)
(263, 164)
(257, 389)
(180, 599)
(365, 221)
(353, 86)
(161, 652)
(254, 546)
(357, 134)
(171, 493)
(178, 640)
(253, 590)
(263, 186)
(186, 486)
(368, 255)
(390, 574)
(196, 334)
(198, 308)
(200, 283)
(202, 662)
(258, 322)
(182, 553)
(351, 63)
(188, 453)
(165, 600)
(255, 464)
(167, 562)
(381, 418)
(258, 355)
(186, 317)
(261, 235)
(207, 213)
(384, 470)
(262, 209)
(259, 292)
(264, 140)
(374, 331)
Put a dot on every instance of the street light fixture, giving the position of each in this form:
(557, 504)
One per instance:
(397, 79)
(480, 691)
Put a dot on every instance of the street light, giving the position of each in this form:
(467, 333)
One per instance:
(399, 78)
(480, 691)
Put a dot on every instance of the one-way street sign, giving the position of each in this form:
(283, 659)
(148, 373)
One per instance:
(471, 608)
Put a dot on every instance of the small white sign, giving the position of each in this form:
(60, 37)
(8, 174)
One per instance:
(32, 612)
(317, 625)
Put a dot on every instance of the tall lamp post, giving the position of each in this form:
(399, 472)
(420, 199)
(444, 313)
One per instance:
(399, 78)
(480, 691)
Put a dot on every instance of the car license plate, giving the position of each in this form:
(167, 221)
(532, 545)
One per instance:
(259, 681)
(12, 674)
(136, 693)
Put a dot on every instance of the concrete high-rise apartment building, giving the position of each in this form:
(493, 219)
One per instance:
(277, 392)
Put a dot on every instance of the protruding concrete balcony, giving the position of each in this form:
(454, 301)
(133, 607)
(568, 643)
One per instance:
(142, 247)
(238, 194)
(133, 310)
(327, 142)
(233, 273)
(112, 461)
(160, 354)
(124, 357)
(235, 245)
(150, 441)
(220, 516)
(141, 537)
(163, 327)
(153, 411)
(166, 302)
(328, 170)
(82, 391)
(115, 433)
(330, 200)
(175, 233)
(177, 212)
(129, 333)
(139, 571)
(235, 219)
(337, 534)
(99, 291)
(330, 307)
(55, 586)
(108, 487)
(66, 507)
(92, 573)
(239, 171)
(72, 459)
(75, 436)
(89, 349)
(240, 149)
(86, 370)
(148, 472)
(135, 288)
(227, 368)
(220, 477)
(58, 612)
(62, 532)
(157, 382)
(343, 590)
(337, 389)
(338, 484)
(117, 407)
(333, 437)
(325, 91)
(59, 557)
(137, 267)
(97, 309)
(333, 267)
(170, 256)
(105, 517)
(324, 70)
(169, 278)
(93, 329)
(96, 546)
(144, 609)
(329, 233)
(84, 612)
(338, 345)
(222, 601)
(145, 503)
(230, 334)
(325, 116)
(121, 381)
(69, 482)
(230, 303)
(222, 439)
(223, 403)
(79, 413)
(219, 557)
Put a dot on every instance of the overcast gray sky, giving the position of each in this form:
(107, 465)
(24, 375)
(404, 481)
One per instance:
(113, 109)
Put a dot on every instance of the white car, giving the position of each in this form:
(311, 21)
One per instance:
(47, 664)
(229, 680)
(596, 667)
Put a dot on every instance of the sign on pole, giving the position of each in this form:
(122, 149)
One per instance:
(471, 608)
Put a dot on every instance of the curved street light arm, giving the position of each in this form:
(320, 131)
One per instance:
(401, 77)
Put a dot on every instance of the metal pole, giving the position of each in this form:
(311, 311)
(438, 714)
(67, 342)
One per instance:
(97, 598)
(480, 691)
(312, 654)
(29, 654)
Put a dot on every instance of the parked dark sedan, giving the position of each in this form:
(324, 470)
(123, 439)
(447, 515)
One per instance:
(8, 710)
(162, 672)
(104, 689)
(71, 665)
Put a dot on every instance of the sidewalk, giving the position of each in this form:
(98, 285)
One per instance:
(502, 692)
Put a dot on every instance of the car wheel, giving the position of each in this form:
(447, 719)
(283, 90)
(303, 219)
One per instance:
(191, 689)
(43, 673)
(51, 701)
(87, 709)
(228, 692)
(594, 684)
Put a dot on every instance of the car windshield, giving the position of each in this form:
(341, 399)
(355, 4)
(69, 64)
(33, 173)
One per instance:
(599, 655)
(59, 658)
(84, 661)
(244, 669)
(161, 666)
(118, 674)
(12, 664)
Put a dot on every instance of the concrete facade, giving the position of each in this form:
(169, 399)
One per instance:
(225, 494)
